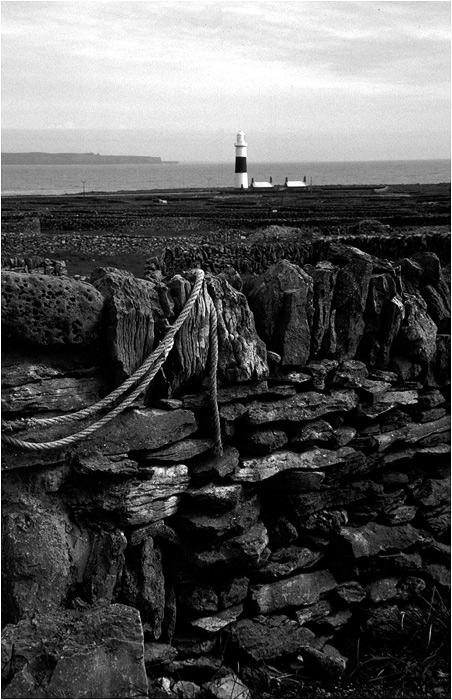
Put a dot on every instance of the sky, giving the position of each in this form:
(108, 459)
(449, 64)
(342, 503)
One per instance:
(310, 81)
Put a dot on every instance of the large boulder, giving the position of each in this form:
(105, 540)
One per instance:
(417, 336)
(42, 549)
(281, 300)
(97, 653)
(242, 356)
(349, 303)
(324, 276)
(143, 584)
(130, 307)
(269, 637)
(49, 311)
(302, 589)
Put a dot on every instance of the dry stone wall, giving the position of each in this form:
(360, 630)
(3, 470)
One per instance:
(139, 563)
(255, 253)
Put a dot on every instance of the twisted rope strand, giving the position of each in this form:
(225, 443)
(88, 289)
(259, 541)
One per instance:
(213, 326)
(163, 352)
(165, 343)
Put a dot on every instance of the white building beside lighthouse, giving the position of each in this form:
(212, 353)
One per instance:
(241, 174)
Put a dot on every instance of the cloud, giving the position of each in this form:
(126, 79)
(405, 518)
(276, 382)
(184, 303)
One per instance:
(228, 63)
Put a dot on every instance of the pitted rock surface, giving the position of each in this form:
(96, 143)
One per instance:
(47, 310)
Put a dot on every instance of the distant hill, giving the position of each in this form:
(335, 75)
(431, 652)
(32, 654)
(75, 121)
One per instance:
(37, 158)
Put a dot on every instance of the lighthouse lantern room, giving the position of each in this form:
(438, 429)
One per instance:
(241, 175)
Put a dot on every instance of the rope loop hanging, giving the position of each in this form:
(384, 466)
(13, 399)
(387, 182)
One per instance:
(145, 373)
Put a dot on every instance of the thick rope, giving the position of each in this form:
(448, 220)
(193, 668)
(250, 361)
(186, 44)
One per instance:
(161, 353)
(213, 325)
(166, 342)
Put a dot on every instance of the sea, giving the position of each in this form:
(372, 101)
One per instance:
(74, 179)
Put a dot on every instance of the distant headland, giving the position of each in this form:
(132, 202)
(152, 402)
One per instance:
(38, 158)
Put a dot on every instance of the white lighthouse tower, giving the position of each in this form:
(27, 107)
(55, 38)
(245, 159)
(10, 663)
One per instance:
(241, 175)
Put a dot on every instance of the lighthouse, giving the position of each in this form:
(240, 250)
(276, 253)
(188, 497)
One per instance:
(241, 175)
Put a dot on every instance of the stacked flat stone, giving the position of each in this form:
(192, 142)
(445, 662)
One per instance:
(327, 513)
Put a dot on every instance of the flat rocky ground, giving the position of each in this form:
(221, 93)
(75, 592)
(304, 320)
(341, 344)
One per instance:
(124, 229)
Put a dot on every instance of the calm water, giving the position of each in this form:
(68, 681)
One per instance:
(68, 179)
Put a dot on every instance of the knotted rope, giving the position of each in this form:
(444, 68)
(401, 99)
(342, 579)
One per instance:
(147, 371)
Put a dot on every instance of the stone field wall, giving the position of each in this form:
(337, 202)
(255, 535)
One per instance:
(140, 562)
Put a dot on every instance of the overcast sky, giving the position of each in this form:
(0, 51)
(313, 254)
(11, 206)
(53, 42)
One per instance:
(305, 80)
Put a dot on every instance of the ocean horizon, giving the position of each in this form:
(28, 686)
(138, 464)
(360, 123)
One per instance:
(72, 179)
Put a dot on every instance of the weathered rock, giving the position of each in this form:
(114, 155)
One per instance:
(143, 584)
(343, 435)
(262, 468)
(132, 502)
(408, 397)
(156, 654)
(234, 591)
(432, 492)
(236, 553)
(440, 574)
(417, 336)
(215, 467)
(134, 430)
(216, 526)
(298, 379)
(324, 276)
(374, 538)
(327, 661)
(141, 429)
(263, 638)
(302, 407)
(430, 266)
(351, 592)
(242, 354)
(49, 311)
(400, 515)
(53, 394)
(78, 660)
(350, 374)
(131, 306)
(229, 686)
(349, 303)
(187, 361)
(312, 613)
(383, 589)
(281, 300)
(38, 542)
(187, 689)
(281, 532)
(438, 306)
(336, 620)
(443, 360)
(215, 623)
(320, 372)
(382, 622)
(91, 461)
(178, 451)
(192, 642)
(296, 481)
(105, 565)
(264, 440)
(198, 598)
(319, 431)
(290, 560)
(384, 314)
(411, 434)
(325, 522)
(303, 589)
(214, 498)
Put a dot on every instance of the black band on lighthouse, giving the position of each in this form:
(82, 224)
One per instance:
(240, 164)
